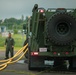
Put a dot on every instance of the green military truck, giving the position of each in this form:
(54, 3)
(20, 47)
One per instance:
(51, 37)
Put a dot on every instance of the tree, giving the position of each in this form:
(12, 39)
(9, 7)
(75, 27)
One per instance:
(0, 21)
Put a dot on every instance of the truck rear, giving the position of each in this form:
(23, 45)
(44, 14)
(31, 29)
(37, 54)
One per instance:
(51, 37)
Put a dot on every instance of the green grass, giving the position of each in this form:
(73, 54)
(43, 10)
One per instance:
(15, 48)
(19, 39)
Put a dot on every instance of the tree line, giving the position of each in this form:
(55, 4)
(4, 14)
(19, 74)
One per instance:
(12, 23)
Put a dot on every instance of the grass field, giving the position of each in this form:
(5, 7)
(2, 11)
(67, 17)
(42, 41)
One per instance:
(19, 40)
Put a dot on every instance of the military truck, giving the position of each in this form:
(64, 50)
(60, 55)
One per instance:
(51, 37)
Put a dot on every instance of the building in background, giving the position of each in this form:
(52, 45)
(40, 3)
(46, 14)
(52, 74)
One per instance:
(2, 29)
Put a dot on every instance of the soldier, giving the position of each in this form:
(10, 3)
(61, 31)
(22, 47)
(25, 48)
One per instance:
(9, 44)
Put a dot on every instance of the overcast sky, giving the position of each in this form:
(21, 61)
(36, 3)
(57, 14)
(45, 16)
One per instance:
(16, 8)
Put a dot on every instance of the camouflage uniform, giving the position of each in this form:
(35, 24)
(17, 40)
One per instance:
(9, 42)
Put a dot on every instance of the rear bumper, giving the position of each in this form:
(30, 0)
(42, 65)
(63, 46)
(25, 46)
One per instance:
(59, 54)
(44, 59)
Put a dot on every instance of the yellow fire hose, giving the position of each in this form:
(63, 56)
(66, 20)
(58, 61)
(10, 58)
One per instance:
(10, 60)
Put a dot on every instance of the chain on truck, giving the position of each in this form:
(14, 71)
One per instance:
(51, 36)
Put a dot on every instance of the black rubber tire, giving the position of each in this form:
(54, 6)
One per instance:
(61, 28)
(71, 63)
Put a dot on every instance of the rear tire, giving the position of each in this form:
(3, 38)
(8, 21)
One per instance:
(61, 28)
(70, 63)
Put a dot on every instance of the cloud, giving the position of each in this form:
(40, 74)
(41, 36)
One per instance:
(15, 8)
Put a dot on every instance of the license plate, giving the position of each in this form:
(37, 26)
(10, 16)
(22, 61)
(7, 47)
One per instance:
(49, 62)
(42, 49)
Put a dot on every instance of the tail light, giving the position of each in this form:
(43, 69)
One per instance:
(66, 53)
(34, 53)
(54, 53)
(41, 11)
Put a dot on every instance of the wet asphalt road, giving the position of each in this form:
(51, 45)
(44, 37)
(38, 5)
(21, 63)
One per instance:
(22, 69)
